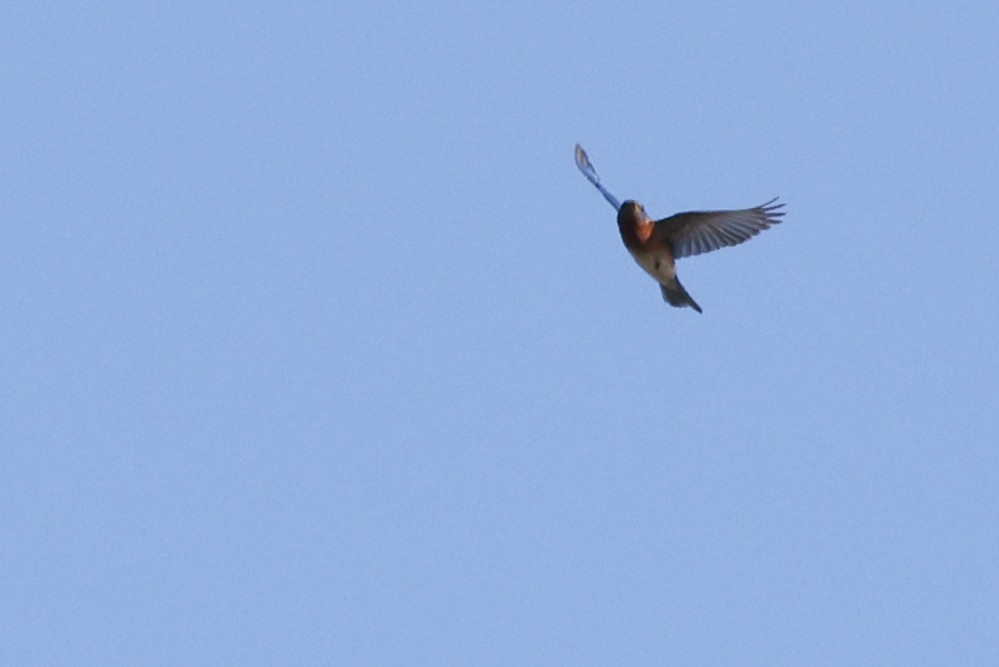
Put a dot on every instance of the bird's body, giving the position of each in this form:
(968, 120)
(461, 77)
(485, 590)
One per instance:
(652, 252)
(656, 244)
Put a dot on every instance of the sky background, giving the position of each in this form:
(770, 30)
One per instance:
(317, 348)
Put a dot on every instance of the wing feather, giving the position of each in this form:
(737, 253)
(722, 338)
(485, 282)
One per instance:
(697, 232)
(585, 166)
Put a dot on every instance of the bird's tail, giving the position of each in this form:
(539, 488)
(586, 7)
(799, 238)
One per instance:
(676, 295)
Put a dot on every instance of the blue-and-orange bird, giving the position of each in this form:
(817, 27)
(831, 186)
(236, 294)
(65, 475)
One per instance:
(657, 244)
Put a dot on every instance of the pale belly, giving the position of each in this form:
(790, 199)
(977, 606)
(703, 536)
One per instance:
(659, 265)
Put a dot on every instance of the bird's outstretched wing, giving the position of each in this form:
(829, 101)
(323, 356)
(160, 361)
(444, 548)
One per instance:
(583, 162)
(697, 232)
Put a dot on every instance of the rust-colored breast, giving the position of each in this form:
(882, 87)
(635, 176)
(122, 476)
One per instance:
(643, 231)
(638, 235)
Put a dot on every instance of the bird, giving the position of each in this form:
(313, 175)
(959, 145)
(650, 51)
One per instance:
(656, 244)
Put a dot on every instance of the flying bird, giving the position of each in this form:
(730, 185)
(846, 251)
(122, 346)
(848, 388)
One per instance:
(657, 244)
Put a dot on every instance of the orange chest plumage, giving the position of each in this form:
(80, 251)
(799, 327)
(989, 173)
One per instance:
(639, 237)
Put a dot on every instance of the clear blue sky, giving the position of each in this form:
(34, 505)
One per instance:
(317, 349)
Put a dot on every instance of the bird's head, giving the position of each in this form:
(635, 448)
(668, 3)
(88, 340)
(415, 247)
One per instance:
(631, 213)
